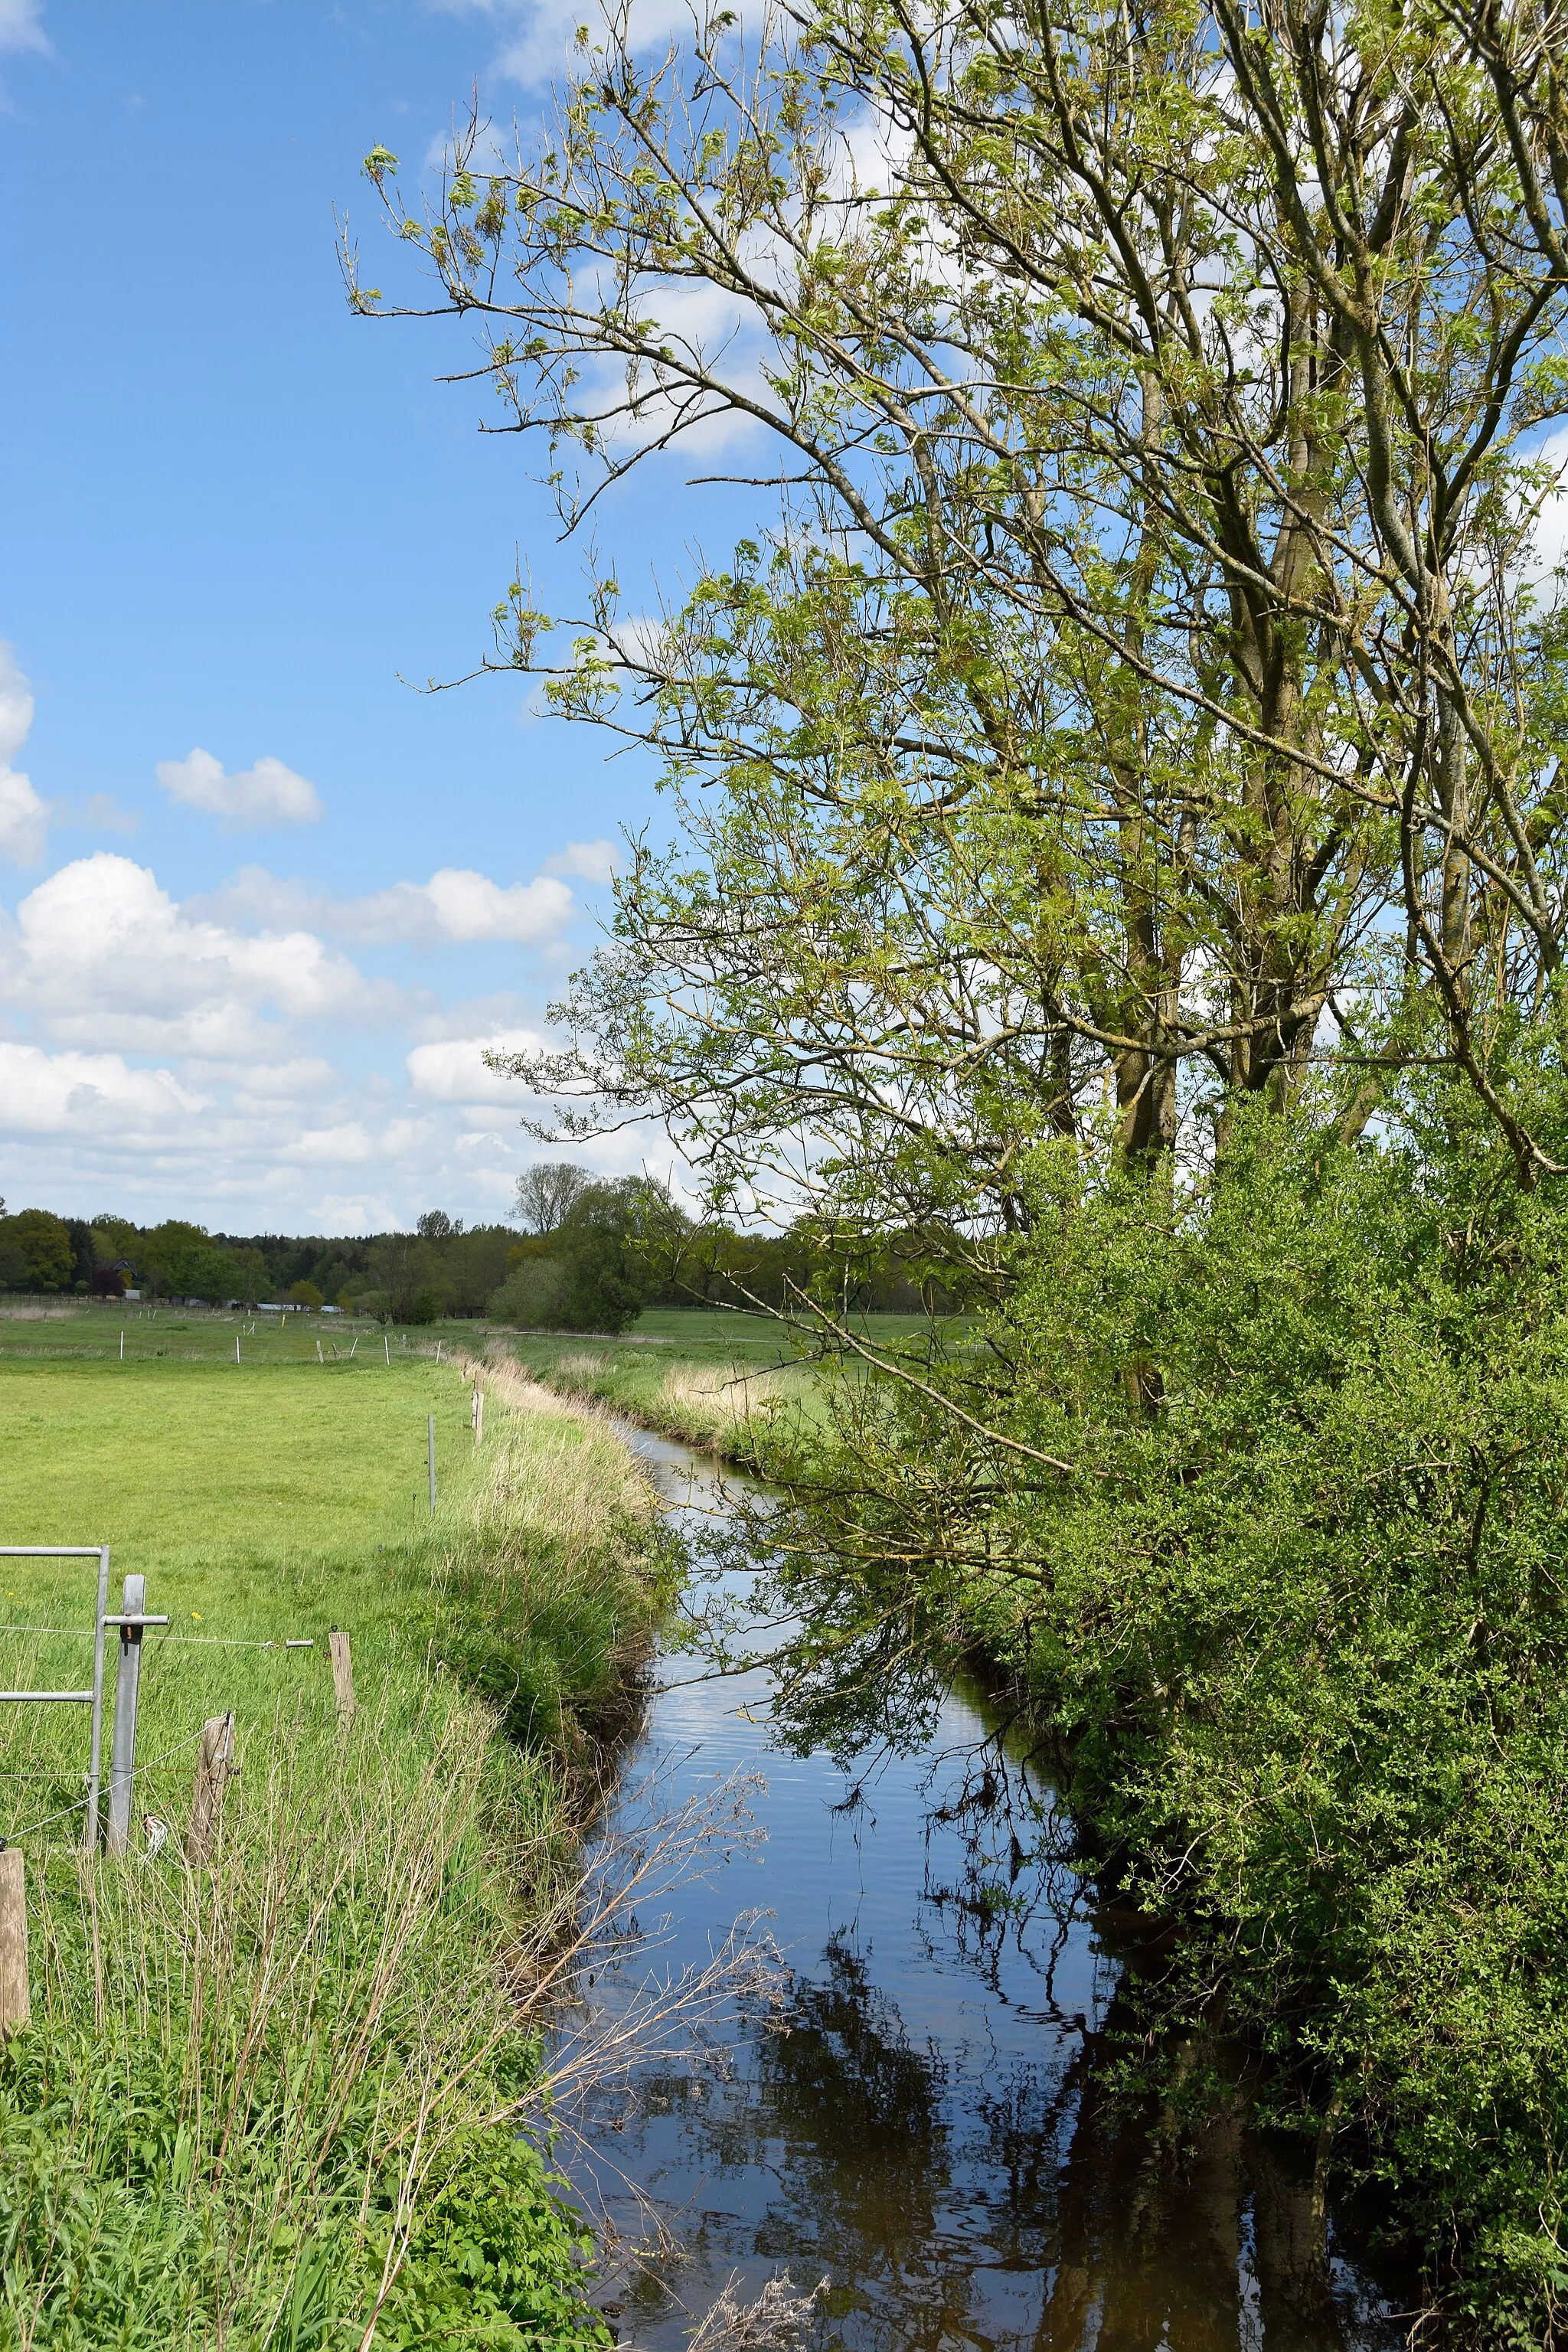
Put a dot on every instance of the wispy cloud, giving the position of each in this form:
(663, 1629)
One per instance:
(589, 861)
(22, 27)
(456, 905)
(24, 818)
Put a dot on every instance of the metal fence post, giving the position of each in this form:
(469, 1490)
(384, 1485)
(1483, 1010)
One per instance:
(95, 1753)
(123, 1754)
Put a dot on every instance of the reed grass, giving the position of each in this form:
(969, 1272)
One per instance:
(709, 1399)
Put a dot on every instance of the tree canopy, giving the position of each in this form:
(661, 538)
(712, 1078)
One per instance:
(1140, 692)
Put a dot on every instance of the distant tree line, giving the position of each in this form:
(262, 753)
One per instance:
(590, 1256)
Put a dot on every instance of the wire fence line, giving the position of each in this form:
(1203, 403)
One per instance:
(82, 1803)
(218, 1641)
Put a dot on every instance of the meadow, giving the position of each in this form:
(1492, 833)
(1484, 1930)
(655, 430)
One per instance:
(277, 2101)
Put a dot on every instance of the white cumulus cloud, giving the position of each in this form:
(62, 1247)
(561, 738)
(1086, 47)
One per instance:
(268, 793)
(101, 954)
(457, 904)
(453, 1069)
(58, 1094)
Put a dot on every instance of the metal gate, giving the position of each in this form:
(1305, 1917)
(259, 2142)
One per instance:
(93, 1697)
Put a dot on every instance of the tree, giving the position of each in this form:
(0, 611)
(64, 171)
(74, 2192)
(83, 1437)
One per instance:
(115, 1239)
(1131, 743)
(594, 1269)
(436, 1225)
(545, 1193)
(36, 1250)
(305, 1294)
(247, 1274)
(183, 1261)
(1138, 673)
(84, 1252)
(535, 1296)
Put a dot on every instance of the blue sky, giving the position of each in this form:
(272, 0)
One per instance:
(233, 514)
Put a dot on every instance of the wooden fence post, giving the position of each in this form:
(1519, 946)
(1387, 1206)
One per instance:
(15, 2002)
(215, 1761)
(479, 1414)
(343, 1673)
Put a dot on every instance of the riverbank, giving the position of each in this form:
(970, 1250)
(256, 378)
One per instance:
(740, 1396)
(1200, 2029)
(277, 2101)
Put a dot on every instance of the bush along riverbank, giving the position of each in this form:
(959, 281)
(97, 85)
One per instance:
(1257, 1490)
(280, 2100)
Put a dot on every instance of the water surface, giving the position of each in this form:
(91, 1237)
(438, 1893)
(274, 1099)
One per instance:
(922, 2117)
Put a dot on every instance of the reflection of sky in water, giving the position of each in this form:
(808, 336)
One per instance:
(927, 2129)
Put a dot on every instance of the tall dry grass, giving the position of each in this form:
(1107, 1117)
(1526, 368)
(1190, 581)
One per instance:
(726, 1398)
(746, 1412)
(556, 1482)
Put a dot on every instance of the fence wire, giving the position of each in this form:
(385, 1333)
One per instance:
(81, 1803)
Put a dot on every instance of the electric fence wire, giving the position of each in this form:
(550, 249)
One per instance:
(221, 1640)
(81, 1803)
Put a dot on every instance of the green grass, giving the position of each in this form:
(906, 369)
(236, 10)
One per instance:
(31, 1330)
(656, 1372)
(692, 1330)
(267, 2103)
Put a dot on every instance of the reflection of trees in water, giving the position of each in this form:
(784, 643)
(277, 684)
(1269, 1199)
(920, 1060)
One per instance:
(868, 2187)
(1005, 2202)
(1044, 2217)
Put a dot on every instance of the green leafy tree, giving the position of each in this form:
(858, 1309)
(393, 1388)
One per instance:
(1140, 672)
(174, 1257)
(115, 1238)
(36, 1250)
(84, 1252)
(249, 1274)
(1118, 842)
(595, 1270)
(536, 1296)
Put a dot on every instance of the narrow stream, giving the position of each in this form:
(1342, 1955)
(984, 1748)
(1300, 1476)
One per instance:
(920, 2118)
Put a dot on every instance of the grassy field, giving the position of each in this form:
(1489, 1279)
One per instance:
(276, 2102)
(715, 1377)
